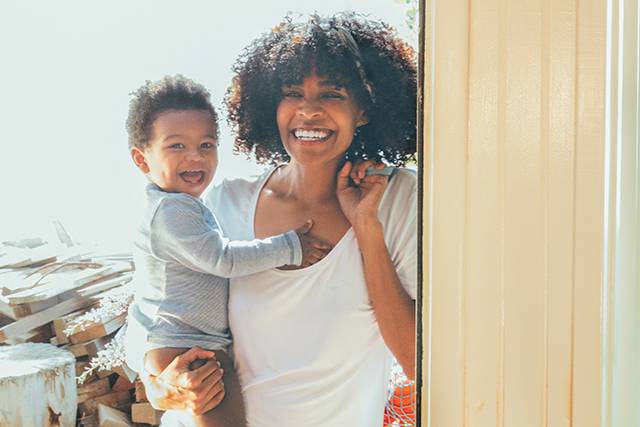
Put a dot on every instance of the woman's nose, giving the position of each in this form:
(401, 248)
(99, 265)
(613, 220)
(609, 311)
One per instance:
(310, 109)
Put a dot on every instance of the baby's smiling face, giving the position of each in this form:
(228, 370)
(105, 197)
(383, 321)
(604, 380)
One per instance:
(182, 153)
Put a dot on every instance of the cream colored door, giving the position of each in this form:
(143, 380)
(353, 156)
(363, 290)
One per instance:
(526, 194)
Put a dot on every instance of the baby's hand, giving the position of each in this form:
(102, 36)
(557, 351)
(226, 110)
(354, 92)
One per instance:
(313, 250)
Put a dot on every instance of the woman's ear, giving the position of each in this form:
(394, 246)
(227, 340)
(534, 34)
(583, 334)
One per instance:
(139, 159)
(363, 120)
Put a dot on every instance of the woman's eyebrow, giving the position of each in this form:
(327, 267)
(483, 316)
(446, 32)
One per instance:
(332, 83)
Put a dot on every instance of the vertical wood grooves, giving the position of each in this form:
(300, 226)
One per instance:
(518, 213)
(574, 155)
(501, 191)
(465, 236)
(545, 61)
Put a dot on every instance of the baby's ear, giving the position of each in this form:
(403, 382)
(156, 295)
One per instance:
(139, 159)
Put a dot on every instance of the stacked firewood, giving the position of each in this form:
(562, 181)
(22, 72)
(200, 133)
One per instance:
(76, 297)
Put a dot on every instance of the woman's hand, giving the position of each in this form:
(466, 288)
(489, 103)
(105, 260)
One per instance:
(179, 387)
(360, 202)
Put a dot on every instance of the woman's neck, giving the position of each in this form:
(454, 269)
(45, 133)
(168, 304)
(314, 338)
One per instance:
(309, 184)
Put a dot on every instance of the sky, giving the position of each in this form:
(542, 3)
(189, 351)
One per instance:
(67, 69)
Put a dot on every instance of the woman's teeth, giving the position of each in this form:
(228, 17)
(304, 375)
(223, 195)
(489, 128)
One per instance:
(192, 177)
(310, 135)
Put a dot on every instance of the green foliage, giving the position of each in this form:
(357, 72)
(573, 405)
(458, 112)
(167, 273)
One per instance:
(411, 13)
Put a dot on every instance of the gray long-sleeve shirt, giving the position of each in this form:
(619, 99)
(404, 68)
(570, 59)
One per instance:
(182, 264)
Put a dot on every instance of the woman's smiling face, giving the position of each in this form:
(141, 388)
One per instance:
(316, 119)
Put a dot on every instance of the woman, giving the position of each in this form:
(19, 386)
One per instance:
(314, 346)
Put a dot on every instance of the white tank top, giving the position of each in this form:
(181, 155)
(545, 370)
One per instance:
(310, 352)
(307, 347)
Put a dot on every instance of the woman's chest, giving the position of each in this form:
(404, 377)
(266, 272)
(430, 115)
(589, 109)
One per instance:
(298, 315)
(275, 215)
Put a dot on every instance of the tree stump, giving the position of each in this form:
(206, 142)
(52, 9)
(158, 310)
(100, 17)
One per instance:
(37, 386)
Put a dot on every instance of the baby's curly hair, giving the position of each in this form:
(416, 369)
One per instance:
(155, 97)
(379, 69)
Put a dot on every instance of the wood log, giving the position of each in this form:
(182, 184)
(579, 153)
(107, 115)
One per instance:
(90, 348)
(40, 334)
(93, 389)
(122, 384)
(113, 399)
(17, 311)
(141, 393)
(110, 417)
(33, 321)
(145, 413)
(42, 375)
(98, 329)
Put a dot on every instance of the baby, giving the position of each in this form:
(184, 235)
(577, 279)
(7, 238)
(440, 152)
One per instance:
(182, 258)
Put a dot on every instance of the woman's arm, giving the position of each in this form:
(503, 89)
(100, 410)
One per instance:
(393, 307)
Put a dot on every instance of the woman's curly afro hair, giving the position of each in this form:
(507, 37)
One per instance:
(155, 97)
(378, 58)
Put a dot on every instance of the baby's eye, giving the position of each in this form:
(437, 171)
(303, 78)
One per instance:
(177, 146)
(208, 145)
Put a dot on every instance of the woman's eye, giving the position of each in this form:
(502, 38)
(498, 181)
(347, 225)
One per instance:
(333, 95)
(291, 94)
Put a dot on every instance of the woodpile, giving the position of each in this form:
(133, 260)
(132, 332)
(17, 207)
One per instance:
(76, 298)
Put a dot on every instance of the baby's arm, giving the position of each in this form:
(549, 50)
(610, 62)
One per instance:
(180, 232)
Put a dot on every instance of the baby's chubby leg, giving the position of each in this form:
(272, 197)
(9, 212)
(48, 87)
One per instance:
(229, 412)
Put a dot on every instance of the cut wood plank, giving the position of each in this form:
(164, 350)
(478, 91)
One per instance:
(90, 348)
(126, 372)
(94, 346)
(98, 329)
(93, 389)
(141, 393)
(23, 310)
(32, 321)
(122, 384)
(40, 334)
(61, 324)
(82, 366)
(58, 283)
(145, 413)
(20, 258)
(90, 420)
(110, 417)
(25, 324)
(112, 399)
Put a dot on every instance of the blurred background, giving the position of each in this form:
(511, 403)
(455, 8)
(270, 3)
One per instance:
(67, 70)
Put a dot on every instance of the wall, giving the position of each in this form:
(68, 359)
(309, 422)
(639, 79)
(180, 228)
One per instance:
(519, 296)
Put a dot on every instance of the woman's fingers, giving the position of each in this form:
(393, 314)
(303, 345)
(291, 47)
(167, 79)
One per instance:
(210, 400)
(193, 379)
(185, 359)
(343, 176)
(359, 169)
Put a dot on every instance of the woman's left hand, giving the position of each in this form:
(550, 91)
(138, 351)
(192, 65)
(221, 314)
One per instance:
(360, 202)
